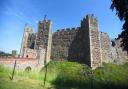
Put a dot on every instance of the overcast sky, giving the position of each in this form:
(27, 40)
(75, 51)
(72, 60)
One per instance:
(14, 14)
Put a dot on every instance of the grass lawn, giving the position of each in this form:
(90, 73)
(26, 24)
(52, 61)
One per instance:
(67, 75)
(22, 80)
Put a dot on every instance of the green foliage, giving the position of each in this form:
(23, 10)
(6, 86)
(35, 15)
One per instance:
(112, 76)
(75, 75)
(121, 8)
(3, 54)
(70, 74)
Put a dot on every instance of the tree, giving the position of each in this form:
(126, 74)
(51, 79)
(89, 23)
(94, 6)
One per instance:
(121, 8)
(3, 54)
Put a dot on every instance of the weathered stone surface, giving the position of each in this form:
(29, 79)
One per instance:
(81, 44)
(37, 45)
(84, 44)
(22, 63)
(26, 40)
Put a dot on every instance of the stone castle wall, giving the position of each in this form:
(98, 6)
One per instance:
(22, 64)
(25, 40)
(49, 43)
(118, 54)
(105, 47)
(95, 50)
(61, 42)
(69, 44)
(111, 50)
(81, 44)
(37, 45)
(84, 44)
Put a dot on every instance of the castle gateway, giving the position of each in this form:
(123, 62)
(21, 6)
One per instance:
(84, 44)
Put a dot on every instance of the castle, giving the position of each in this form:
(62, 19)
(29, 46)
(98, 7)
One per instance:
(37, 45)
(84, 44)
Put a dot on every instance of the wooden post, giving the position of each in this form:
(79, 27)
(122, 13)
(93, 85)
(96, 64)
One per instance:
(45, 74)
(13, 70)
(46, 64)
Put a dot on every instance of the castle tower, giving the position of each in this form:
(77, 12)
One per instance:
(93, 48)
(24, 44)
(44, 38)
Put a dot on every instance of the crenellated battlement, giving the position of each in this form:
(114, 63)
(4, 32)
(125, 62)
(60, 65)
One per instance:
(84, 44)
(79, 42)
(84, 23)
(68, 30)
(28, 29)
(91, 17)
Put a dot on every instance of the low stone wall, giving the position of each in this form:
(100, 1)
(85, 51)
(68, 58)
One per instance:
(22, 63)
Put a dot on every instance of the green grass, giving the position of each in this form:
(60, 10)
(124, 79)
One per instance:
(67, 75)
(23, 79)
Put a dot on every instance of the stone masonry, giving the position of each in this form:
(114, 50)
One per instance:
(37, 45)
(83, 44)
(86, 44)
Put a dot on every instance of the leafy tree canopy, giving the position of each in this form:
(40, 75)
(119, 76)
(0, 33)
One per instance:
(121, 8)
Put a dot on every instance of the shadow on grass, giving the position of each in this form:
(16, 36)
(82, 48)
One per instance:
(63, 82)
(109, 77)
